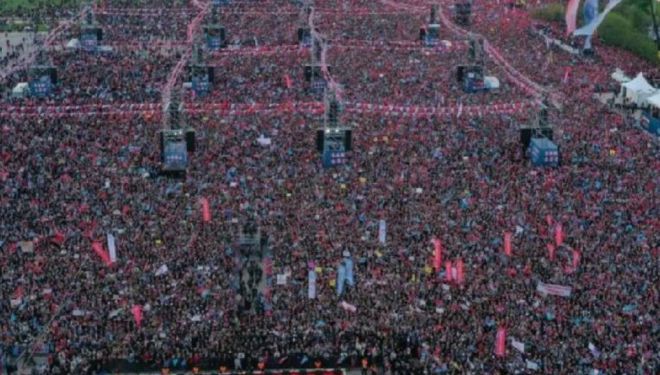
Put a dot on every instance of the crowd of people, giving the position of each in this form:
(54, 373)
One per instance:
(182, 292)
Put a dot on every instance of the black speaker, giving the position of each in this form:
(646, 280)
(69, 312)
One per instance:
(308, 73)
(190, 141)
(211, 73)
(319, 140)
(52, 72)
(99, 34)
(162, 145)
(525, 137)
(348, 144)
(460, 73)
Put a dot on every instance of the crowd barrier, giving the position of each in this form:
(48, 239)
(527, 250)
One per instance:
(239, 109)
(291, 364)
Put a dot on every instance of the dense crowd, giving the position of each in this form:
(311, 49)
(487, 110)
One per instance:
(68, 182)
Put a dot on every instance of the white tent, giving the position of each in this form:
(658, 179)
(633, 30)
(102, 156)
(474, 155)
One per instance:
(654, 100)
(21, 90)
(73, 44)
(638, 90)
(491, 83)
(620, 77)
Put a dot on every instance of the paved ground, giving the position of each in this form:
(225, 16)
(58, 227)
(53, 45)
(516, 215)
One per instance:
(15, 39)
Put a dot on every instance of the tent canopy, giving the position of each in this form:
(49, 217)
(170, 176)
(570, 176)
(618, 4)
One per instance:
(654, 100)
(73, 44)
(491, 82)
(639, 84)
(620, 76)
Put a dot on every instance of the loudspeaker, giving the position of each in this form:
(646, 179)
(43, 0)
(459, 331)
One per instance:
(162, 145)
(52, 72)
(302, 34)
(348, 144)
(525, 137)
(190, 141)
(211, 73)
(319, 140)
(460, 73)
(99, 34)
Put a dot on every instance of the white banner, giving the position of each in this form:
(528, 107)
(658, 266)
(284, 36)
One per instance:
(348, 307)
(518, 345)
(593, 25)
(112, 248)
(554, 290)
(162, 270)
(382, 231)
(311, 291)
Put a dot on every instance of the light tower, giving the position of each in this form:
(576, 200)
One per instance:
(432, 33)
(90, 33)
(42, 76)
(333, 140)
(304, 31)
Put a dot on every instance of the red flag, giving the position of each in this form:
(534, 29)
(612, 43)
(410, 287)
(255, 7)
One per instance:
(448, 271)
(500, 342)
(137, 315)
(58, 238)
(507, 243)
(18, 293)
(460, 271)
(287, 81)
(559, 234)
(566, 73)
(98, 249)
(576, 259)
(206, 210)
(551, 251)
(437, 254)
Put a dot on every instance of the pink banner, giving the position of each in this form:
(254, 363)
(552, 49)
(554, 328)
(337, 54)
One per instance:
(460, 271)
(571, 16)
(448, 271)
(559, 234)
(500, 342)
(566, 74)
(206, 210)
(507, 244)
(98, 249)
(437, 254)
(137, 315)
(551, 252)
